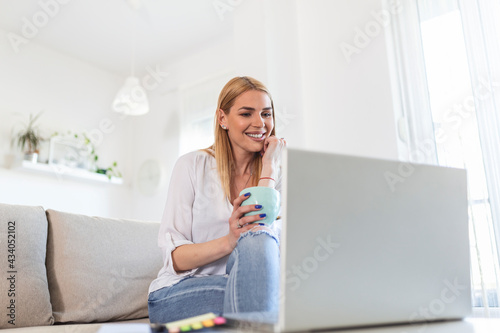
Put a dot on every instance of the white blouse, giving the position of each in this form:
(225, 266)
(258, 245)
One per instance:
(196, 211)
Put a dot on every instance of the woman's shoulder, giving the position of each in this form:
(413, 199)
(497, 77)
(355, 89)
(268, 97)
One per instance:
(195, 157)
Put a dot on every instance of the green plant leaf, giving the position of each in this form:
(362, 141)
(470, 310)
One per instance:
(29, 137)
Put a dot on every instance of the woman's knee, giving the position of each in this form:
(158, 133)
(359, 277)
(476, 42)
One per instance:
(258, 245)
(263, 239)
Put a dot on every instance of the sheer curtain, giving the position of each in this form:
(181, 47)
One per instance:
(446, 56)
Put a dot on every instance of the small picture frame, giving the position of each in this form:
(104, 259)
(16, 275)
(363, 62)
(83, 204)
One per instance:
(70, 152)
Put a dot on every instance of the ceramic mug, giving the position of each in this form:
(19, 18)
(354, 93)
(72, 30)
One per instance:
(268, 197)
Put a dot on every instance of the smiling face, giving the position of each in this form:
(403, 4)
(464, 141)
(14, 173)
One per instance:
(249, 121)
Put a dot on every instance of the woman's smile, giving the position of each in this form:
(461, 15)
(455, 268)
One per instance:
(257, 136)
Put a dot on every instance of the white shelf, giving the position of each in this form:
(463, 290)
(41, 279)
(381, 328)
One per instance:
(64, 171)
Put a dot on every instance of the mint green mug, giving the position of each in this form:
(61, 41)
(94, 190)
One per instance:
(268, 197)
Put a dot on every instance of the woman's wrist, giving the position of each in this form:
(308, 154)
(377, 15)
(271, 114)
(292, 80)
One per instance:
(267, 182)
(229, 245)
(268, 176)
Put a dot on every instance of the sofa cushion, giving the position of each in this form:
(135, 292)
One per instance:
(99, 269)
(24, 293)
(86, 328)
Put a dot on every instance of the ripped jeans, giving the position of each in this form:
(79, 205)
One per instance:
(250, 285)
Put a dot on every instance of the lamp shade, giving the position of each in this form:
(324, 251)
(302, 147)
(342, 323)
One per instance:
(131, 99)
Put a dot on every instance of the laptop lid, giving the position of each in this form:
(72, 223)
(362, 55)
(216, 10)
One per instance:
(369, 242)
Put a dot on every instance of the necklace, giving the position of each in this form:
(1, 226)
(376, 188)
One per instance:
(245, 186)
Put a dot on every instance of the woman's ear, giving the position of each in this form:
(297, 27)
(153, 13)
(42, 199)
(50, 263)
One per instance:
(222, 119)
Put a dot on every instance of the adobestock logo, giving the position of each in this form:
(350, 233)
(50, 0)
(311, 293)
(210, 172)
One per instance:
(116, 285)
(406, 169)
(449, 294)
(222, 7)
(283, 119)
(130, 99)
(30, 27)
(372, 29)
(298, 273)
(95, 136)
(455, 115)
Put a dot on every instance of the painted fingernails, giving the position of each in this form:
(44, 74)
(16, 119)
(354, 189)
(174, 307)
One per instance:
(262, 224)
(262, 215)
(247, 194)
(258, 206)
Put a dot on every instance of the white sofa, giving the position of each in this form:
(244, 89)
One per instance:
(63, 272)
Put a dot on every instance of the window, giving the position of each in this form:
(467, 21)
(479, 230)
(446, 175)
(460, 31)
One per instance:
(449, 98)
(198, 103)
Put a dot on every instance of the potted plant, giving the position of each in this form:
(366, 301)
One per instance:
(28, 138)
(111, 171)
(88, 150)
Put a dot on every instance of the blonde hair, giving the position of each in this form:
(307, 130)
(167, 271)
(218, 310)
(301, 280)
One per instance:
(221, 149)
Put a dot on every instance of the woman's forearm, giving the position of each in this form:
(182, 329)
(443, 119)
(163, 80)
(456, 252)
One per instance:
(268, 172)
(189, 256)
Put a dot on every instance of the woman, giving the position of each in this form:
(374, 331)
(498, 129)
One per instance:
(216, 259)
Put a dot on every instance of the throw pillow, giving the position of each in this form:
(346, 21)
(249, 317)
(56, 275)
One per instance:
(99, 269)
(24, 297)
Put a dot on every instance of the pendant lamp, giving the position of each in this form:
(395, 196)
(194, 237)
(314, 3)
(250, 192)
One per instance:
(131, 99)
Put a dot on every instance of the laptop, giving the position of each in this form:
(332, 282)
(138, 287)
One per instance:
(368, 242)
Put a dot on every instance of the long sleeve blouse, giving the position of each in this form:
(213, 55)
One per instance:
(196, 211)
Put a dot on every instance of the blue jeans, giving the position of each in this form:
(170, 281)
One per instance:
(251, 284)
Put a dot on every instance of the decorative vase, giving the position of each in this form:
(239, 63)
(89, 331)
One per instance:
(33, 157)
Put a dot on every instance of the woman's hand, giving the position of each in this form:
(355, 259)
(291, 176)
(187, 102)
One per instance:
(272, 150)
(238, 223)
(271, 159)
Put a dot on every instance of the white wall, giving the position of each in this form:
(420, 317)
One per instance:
(268, 50)
(323, 102)
(347, 102)
(74, 96)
